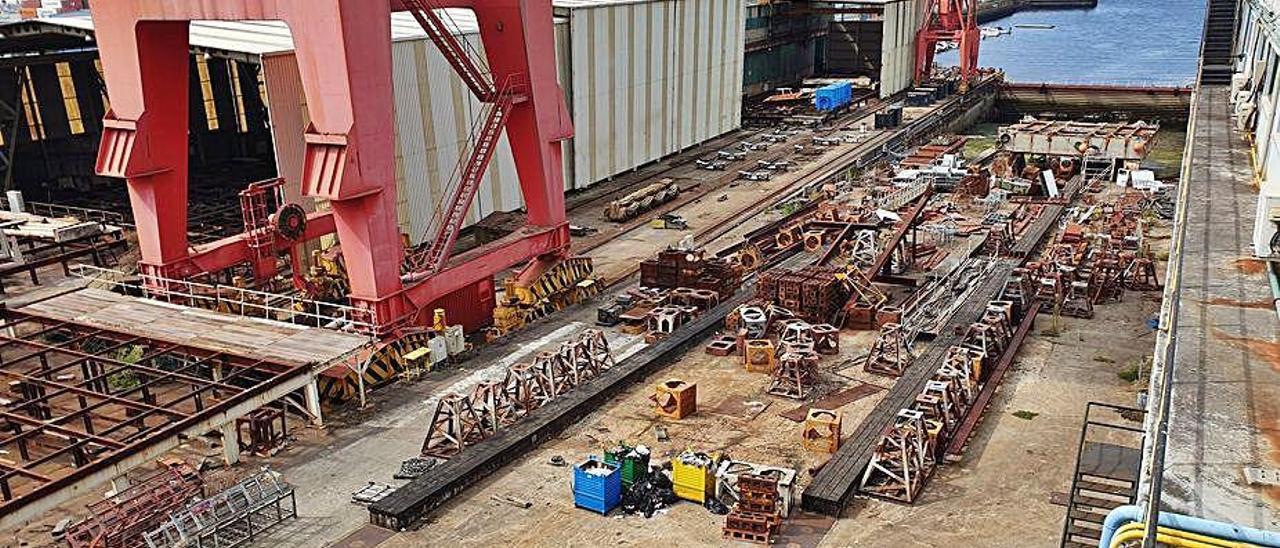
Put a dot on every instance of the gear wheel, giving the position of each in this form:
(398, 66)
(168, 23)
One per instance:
(291, 222)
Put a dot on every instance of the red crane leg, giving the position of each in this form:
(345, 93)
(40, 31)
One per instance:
(519, 41)
(145, 135)
(344, 56)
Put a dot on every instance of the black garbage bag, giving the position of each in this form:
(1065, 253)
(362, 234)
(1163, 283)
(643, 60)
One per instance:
(648, 496)
(715, 506)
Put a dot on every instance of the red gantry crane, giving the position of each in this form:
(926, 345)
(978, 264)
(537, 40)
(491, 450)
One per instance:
(954, 21)
(343, 49)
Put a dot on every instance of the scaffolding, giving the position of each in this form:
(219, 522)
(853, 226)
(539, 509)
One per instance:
(234, 517)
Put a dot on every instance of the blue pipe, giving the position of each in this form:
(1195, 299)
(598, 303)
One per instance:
(1130, 513)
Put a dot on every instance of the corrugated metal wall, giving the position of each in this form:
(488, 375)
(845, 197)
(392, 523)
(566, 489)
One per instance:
(434, 113)
(434, 116)
(642, 81)
(898, 51)
(287, 104)
(650, 79)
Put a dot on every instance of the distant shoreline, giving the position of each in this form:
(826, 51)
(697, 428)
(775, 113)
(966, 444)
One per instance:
(997, 9)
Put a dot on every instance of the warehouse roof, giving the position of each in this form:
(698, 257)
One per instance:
(248, 37)
(573, 4)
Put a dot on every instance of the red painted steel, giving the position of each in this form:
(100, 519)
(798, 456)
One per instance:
(948, 21)
(343, 49)
(471, 307)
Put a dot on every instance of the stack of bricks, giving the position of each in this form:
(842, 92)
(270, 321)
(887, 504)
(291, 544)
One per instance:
(756, 517)
(676, 268)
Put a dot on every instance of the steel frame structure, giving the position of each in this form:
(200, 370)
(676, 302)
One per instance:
(462, 421)
(954, 21)
(344, 55)
(231, 518)
(82, 405)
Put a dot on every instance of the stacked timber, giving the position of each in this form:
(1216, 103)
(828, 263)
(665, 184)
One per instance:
(640, 201)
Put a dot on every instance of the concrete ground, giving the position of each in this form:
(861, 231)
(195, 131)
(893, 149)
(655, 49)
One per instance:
(1225, 417)
(1004, 483)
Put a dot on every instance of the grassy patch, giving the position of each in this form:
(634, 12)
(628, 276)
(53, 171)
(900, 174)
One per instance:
(1025, 415)
(1137, 369)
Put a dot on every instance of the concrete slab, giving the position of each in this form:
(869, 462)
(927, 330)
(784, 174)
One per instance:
(1225, 378)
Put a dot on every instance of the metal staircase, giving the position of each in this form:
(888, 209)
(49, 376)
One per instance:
(455, 201)
(1106, 473)
(498, 100)
(464, 60)
(1219, 34)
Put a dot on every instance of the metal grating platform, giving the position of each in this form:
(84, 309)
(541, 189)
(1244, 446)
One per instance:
(99, 383)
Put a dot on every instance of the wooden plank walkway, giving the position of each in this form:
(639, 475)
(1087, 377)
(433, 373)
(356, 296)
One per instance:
(254, 338)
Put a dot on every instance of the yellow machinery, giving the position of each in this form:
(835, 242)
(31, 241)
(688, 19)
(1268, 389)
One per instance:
(534, 294)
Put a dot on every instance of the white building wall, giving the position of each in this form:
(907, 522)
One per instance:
(649, 79)
(898, 45)
(1260, 59)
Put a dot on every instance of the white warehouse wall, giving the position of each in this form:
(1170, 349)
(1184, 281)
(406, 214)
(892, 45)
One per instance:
(898, 45)
(642, 79)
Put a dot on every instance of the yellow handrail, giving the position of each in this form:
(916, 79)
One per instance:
(1253, 161)
(1173, 537)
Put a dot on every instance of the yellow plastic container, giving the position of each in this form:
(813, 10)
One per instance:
(693, 477)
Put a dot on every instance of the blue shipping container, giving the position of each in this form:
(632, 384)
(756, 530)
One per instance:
(833, 96)
(596, 491)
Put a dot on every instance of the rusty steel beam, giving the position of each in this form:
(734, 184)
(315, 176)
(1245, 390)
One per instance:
(100, 444)
(877, 269)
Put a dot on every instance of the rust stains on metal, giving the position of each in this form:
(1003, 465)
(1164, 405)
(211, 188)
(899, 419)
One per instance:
(1262, 304)
(1250, 266)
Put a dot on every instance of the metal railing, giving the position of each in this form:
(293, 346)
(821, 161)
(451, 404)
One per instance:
(82, 213)
(230, 299)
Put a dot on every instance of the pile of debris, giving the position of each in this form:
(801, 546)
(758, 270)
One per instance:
(1095, 259)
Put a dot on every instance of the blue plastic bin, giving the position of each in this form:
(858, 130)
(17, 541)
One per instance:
(597, 492)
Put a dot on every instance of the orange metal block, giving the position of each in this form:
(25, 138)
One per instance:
(761, 356)
(822, 430)
(675, 399)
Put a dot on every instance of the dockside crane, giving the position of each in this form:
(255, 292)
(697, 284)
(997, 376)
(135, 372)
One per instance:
(954, 21)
